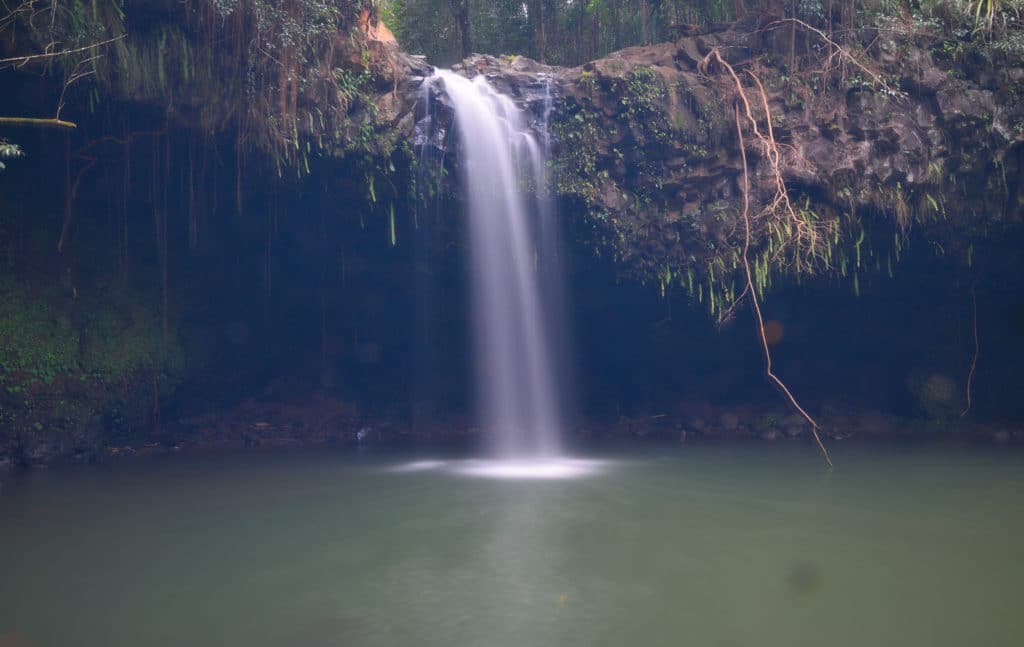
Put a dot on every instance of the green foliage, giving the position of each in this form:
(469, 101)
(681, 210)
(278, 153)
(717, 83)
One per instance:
(122, 336)
(643, 106)
(575, 31)
(71, 364)
(39, 345)
(300, 92)
(8, 151)
(151, 65)
(1003, 25)
(108, 338)
(577, 131)
(77, 23)
(65, 31)
(294, 79)
(427, 27)
(984, 12)
(988, 28)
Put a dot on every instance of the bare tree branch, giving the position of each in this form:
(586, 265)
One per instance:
(35, 121)
(18, 61)
(843, 52)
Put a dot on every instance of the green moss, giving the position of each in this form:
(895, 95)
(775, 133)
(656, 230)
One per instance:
(8, 151)
(122, 337)
(75, 365)
(39, 344)
(113, 338)
(577, 131)
(643, 106)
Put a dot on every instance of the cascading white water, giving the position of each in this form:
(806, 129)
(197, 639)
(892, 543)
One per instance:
(518, 392)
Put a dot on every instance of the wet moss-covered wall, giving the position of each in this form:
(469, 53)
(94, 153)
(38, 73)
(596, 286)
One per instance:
(182, 278)
(167, 258)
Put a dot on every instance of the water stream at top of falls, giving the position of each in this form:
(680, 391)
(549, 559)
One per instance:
(512, 240)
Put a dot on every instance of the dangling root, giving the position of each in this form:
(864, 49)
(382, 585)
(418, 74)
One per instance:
(753, 297)
(69, 200)
(841, 52)
(805, 234)
(974, 360)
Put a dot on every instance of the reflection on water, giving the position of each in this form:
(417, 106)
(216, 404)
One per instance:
(711, 546)
(542, 469)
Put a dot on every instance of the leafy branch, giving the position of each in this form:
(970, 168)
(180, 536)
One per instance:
(83, 67)
(8, 151)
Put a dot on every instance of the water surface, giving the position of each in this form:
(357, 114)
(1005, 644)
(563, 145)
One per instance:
(721, 546)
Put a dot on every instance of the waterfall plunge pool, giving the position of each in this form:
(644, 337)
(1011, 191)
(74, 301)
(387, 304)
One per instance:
(726, 545)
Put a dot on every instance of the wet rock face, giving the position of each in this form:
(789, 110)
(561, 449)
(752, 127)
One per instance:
(645, 141)
(532, 85)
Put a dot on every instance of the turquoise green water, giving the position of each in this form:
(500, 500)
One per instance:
(717, 546)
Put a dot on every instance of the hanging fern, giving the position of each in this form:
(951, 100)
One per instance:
(8, 151)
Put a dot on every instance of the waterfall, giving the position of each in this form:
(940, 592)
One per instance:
(511, 245)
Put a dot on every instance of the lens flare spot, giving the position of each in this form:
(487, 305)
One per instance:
(773, 331)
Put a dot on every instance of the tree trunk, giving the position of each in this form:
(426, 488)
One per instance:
(579, 33)
(535, 11)
(615, 31)
(460, 9)
(645, 14)
(792, 37)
